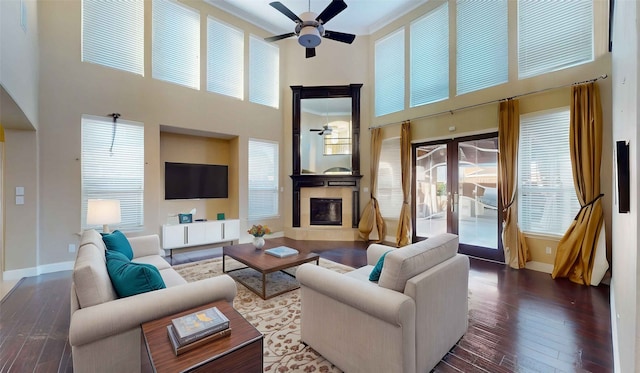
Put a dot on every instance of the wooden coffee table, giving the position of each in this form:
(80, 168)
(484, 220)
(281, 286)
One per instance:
(264, 263)
(241, 351)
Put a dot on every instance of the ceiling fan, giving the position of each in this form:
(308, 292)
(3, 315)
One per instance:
(310, 27)
(324, 130)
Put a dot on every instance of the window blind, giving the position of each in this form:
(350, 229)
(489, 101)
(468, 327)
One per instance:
(547, 201)
(389, 73)
(264, 72)
(389, 188)
(176, 43)
(553, 35)
(430, 57)
(225, 59)
(482, 44)
(113, 34)
(113, 167)
(263, 179)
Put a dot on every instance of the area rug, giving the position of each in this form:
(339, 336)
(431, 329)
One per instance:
(277, 318)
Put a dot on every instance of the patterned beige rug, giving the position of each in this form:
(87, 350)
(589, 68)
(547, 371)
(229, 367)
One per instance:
(277, 318)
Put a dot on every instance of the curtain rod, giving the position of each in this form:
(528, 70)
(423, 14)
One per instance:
(494, 101)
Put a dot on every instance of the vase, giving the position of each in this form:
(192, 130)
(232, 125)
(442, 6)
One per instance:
(258, 242)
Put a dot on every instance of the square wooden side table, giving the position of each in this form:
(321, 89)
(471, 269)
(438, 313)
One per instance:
(239, 352)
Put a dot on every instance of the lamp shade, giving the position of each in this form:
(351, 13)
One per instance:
(103, 212)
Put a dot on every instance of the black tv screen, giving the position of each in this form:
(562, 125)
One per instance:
(191, 181)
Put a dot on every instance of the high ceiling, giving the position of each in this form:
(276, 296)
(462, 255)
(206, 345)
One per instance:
(362, 17)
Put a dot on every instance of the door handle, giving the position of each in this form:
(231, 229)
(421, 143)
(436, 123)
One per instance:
(454, 202)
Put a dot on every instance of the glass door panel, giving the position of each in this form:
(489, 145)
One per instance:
(431, 190)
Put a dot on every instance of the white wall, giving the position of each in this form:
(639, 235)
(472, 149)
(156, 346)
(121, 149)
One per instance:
(624, 227)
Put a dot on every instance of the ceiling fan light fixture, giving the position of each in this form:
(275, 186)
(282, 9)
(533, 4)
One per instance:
(309, 37)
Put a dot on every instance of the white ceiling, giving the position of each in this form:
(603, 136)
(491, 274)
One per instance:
(362, 17)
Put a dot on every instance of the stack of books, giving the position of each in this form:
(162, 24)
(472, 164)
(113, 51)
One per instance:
(195, 329)
(282, 251)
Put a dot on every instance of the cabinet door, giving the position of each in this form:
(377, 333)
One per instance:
(196, 234)
(231, 230)
(173, 236)
(214, 231)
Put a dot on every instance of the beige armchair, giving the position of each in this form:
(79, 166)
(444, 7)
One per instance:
(405, 322)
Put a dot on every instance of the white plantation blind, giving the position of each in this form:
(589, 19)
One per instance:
(553, 35)
(547, 201)
(264, 72)
(389, 188)
(225, 59)
(389, 73)
(263, 179)
(113, 167)
(176, 43)
(113, 34)
(430, 57)
(482, 44)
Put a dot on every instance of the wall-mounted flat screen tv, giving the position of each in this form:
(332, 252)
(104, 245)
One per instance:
(191, 181)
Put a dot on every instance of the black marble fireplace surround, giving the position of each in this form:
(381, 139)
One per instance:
(325, 211)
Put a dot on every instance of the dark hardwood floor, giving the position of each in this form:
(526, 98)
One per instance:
(519, 320)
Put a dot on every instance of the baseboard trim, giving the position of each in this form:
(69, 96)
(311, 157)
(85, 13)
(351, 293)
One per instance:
(540, 267)
(17, 274)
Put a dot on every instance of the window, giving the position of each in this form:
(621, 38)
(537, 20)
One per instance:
(339, 140)
(430, 57)
(482, 44)
(547, 201)
(113, 167)
(389, 191)
(113, 34)
(553, 35)
(263, 179)
(176, 43)
(225, 59)
(389, 73)
(264, 72)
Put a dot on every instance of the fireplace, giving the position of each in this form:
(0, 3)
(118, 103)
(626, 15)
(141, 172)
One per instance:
(326, 211)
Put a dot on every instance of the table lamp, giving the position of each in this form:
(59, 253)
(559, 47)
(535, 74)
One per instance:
(103, 211)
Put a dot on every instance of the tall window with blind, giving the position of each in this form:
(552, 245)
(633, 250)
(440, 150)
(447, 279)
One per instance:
(389, 73)
(429, 61)
(264, 72)
(113, 34)
(175, 54)
(225, 59)
(113, 167)
(263, 179)
(482, 44)
(389, 188)
(547, 201)
(553, 35)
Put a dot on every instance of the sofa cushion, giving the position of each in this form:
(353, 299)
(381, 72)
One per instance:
(117, 241)
(377, 269)
(91, 236)
(411, 260)
(90, 276)
(130, 278)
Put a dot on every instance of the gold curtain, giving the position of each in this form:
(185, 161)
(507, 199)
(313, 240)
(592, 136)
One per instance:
(403, 233)
(516, 252)
(577, 248)
(371, 216)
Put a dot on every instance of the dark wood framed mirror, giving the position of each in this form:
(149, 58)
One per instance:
(326, 141)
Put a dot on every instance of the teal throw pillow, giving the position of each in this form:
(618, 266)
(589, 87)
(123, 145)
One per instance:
(130, 278)
(117, 241)
(377, 270)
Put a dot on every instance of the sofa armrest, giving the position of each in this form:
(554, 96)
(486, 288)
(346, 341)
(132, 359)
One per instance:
(387, 305)
(111, 318)
(375, 251)
(145, 245)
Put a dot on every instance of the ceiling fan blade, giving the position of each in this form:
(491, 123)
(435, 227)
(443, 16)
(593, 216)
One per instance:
(310, 52)
(315, 129)
(339, 36)
(332, 10)
(284, 10)
(279, 37)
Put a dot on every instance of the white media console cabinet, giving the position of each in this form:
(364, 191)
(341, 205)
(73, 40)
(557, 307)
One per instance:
(176, 236)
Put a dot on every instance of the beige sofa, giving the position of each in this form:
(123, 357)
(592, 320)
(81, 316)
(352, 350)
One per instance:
(104, 332)
(406, 322)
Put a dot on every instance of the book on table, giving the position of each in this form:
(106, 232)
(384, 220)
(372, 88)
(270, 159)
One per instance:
(182, 348)
(200, 324)
(281, 251)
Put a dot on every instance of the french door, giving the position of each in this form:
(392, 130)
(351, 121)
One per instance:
(455, 190)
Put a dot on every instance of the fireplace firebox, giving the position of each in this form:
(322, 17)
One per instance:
(326, 211)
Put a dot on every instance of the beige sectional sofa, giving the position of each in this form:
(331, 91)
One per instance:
(104, 332)
(403, 323)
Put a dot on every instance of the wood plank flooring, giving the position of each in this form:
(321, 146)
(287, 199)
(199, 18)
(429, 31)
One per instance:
(519, 321)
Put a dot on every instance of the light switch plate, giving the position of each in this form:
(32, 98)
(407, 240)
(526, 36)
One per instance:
(19, 191)
(19, 200)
